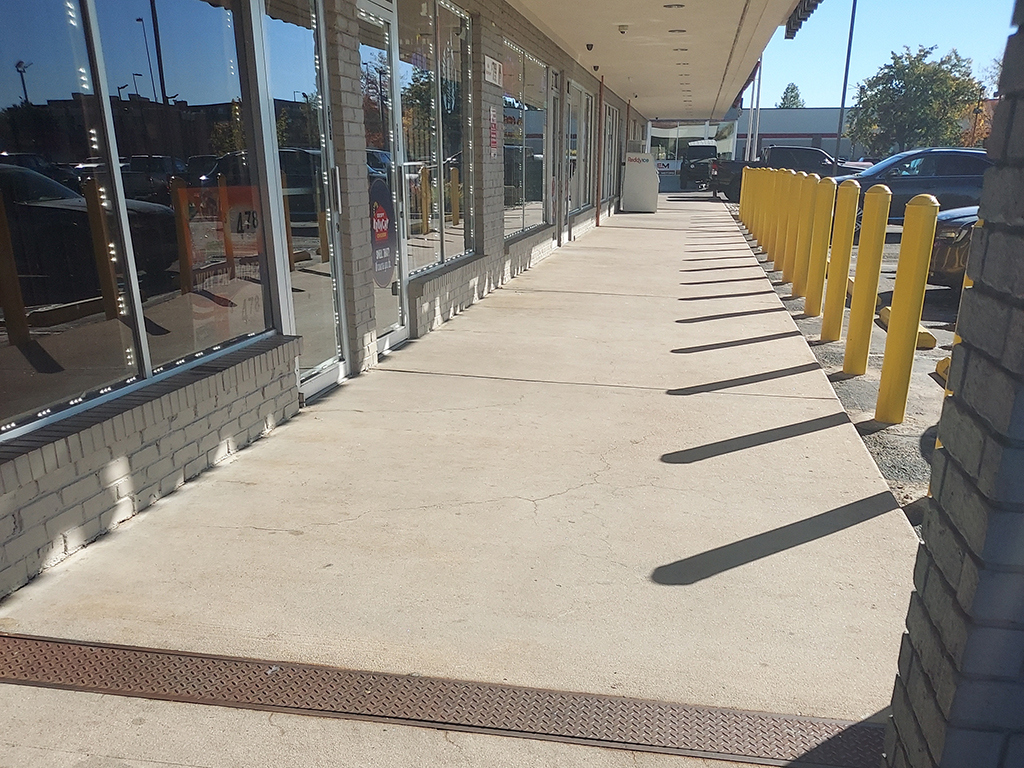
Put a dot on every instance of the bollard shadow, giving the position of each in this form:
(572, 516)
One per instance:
(726, 315)
(741, 381)
(727, 295)
(40, 360)
(714, 269)
(730, 280)
(840, 376)
(870, 427)
(713, 562)
(755, 439)
(736, 343)
(927, 443)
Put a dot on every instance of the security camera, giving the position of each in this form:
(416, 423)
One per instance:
(590, 46)
(623, 28)
(596, 67)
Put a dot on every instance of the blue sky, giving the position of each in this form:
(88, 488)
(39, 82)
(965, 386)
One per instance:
(814, 60)
(197, 40)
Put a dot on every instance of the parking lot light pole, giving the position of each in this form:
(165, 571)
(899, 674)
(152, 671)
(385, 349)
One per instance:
(842, 97)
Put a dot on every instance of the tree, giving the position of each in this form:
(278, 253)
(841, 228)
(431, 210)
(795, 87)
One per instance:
(791, 98)
(914, 102)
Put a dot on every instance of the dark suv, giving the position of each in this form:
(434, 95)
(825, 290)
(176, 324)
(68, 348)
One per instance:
(952, 174)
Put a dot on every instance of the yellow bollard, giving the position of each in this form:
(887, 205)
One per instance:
(785, 211)
(771, 195)
(779, 224)
(793, 227)
(753, 200)
(847, 198)
(744, 194)
(224, 212)
(808, 195)
(765, 208)
(824, 202)
(865, 282)
(907, 305)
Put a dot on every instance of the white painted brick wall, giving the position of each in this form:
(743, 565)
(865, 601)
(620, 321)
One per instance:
(57, 498)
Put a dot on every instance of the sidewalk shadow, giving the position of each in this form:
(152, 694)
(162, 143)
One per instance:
(740, 381)
(690, 570)
(726, 315)
(860, 745)
(731, 280)
(726, 296)
(736, 343)
(742, 443)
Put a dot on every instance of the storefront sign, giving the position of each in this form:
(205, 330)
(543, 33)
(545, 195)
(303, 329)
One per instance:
(382, 234)
(492, 71)
(494, 133)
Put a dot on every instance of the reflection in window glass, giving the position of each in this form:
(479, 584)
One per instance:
(434, 81)
(578, 158)
(186, 157)
(66, 326)
(419, 127)
(512, 76)
(375, 84)
(612, 160)
(535, 117)
(290, 30)
(456, 178)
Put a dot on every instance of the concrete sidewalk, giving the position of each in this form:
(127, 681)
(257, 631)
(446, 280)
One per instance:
(623, 474)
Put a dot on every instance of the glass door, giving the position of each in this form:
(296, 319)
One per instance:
(383, 161)
(298, 87)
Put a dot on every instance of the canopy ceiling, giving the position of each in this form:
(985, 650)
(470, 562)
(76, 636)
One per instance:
(695, 74)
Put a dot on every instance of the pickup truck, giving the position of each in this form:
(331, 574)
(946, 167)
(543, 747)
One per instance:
(726, 176)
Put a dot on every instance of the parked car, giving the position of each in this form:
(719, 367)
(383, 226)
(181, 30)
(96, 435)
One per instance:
(953, 232)
(696, 163)
(954, 175)
(726, 177)
(52, 240)
(40, 164)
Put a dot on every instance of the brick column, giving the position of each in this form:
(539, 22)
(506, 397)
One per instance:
(959, 695)
(349, 135)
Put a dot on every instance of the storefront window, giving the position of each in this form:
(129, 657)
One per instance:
(434, 81)
(66, 332)
(535, 126)
(296, 86)
(525, 134)
(187, 152)
(580, 106)
(611, 161)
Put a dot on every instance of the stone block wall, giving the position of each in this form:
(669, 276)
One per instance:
(64, 485)
(959, 695)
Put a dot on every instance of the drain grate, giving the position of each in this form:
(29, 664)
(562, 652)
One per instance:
(579, 718)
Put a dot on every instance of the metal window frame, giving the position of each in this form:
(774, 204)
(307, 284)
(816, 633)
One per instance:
(119, 204)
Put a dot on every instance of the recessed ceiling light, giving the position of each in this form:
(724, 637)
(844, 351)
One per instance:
(680, 49)
(677, 30)
(675, 5)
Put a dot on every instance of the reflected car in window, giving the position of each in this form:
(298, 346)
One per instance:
(300, 169)
(40, 164)
(53, 245)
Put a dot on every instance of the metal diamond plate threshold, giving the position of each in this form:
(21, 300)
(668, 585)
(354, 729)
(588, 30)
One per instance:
(504, 710)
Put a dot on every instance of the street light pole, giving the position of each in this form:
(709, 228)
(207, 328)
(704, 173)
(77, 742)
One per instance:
(22, 68)
(145, 41)
(842, 98)
(159, 52)
(135, 82)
